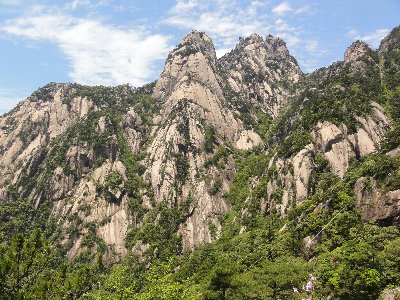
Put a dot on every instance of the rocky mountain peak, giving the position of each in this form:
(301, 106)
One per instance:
(244, 148)
(276, 45)
(194, 42)
(254, 38)
(256, 67)
(188, 60)
(391, 41)
(355, 51)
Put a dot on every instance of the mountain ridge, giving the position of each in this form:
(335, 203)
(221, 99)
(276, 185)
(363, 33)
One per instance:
(213, 148)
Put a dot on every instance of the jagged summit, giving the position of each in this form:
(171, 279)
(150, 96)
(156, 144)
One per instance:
(199, 39)
(356, 50)
(256, 67)
(253, 38)
(119, 160)
(274, 45)
(194, 42)
(391, 41)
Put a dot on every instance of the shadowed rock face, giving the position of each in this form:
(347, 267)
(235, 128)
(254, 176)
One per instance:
(111, 156)
(377, 205)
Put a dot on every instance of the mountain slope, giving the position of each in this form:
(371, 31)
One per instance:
(244, 153)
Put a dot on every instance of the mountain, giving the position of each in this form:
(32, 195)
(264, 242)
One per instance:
(228, 178)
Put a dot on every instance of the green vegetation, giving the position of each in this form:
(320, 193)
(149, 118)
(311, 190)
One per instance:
(209, 139)
(219, 158)
(216, 188)
(256, 250)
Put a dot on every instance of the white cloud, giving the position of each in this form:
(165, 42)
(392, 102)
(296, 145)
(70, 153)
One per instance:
(374, 38)
(282, 9)
(352, 32)
(98, 53)
(87, 4)
(78, 3)
(303, 9)
(311, 45)
(221, 19)
(182, 5)
(224, 21)
(222, 51)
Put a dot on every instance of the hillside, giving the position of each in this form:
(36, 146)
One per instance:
(230, 178)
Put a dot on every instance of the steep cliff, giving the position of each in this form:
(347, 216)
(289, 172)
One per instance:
(118, 165)
(261, 73)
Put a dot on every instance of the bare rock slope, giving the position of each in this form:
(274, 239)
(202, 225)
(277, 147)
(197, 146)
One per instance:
(118, 164)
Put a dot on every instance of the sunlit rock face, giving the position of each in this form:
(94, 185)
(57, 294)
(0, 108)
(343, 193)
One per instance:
(107, 158)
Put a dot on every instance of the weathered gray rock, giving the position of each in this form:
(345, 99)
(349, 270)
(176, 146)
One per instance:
(339, 146)
(32, 124)
(203, 104)
(376, 205)
(262, 72)
(392, 294)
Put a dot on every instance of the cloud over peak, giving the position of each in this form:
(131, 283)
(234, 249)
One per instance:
(98, 53)
(374, 38)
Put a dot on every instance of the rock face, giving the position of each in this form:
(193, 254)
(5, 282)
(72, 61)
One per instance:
(106, 159)
(292, 180)
(392, 294)
(355, 51)
(377, 205)
(192, 103)
(33, 123)
(339, 146)
(262, 72)
(190, 75)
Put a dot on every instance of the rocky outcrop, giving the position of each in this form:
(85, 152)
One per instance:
(190, 74)
(290, 180)
(356, 50)
(193, 114)
(94, 152)
(261, 72)
(33, 123)
(358, 56)
(375, 204)
(339, 146)
(248, 140)
(390, 294)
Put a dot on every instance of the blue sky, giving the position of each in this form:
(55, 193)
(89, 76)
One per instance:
(115, 42)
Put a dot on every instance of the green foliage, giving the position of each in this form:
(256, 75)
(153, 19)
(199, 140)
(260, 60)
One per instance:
(209, 139)
(247, 166)
(186, 50)
(182, 168)
(30, 269)
(220, 158)
(216, 188)
(45, 93)
(15, 217)
(112, 183)
(355, 270)
(20, 265)
(294, 143)
(159, 231)
(381, 167)
(390, 66)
